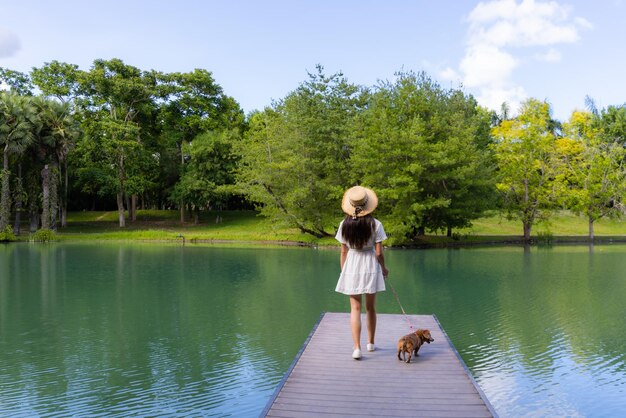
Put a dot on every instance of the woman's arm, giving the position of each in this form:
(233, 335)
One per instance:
(344, 254)
(381, 258)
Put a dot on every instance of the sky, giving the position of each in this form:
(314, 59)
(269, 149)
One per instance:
(497, 50)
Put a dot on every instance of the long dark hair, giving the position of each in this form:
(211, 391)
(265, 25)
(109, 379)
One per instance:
(358, 231)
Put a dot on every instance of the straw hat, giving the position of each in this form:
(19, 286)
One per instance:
(359, 201)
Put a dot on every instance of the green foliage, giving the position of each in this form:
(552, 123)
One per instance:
(117, 134)
(18, 82)
(7, 235)
(612, 123)
(208, 178)
(424, 150)
(43, 235)
(528, 164)
(295, 154)
(545, 237)
(19, 123)
(118, 100)
(596, 171)
(57, 79)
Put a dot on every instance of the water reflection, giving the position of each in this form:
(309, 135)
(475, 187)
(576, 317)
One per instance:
(116, 330)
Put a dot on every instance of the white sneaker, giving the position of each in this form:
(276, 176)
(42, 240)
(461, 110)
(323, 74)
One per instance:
(371, 347)
(356, 354)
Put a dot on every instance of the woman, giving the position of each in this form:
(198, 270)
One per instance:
(362, 263)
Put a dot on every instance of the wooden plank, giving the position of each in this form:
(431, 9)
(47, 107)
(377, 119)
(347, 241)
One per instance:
(384, 410)
(325, 381)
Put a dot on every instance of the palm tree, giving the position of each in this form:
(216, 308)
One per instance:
(18, 123)
(59, 131)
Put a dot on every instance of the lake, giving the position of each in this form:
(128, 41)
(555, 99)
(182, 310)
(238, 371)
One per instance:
(121, 330)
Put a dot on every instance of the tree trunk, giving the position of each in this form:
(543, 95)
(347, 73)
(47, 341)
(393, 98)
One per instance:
(449, 232)
(120, 210)
(33, 214)
(45, 197)
(54, 195)
(300, 225)
(65, 193)
(182, 202)
(121, 193)
(591, 233)
(64, 216)
(18, 200)
(526, 216)
(133, 207)
(5, 201)
(34, 221)
(196, 215)
(128, 207)
(527, 228)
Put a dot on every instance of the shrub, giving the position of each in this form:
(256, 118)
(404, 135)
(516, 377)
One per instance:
(43, 235)
(545, 237)
(7, 235)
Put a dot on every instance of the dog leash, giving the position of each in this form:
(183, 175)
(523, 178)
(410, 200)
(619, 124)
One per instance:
(406, 317)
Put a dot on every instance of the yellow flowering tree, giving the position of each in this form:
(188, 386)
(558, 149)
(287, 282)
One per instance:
(528, 164)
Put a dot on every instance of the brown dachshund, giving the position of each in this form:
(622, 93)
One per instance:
(412, 342)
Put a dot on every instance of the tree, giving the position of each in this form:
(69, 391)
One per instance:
(115, 97)
(17, 127)
(295, 154)
(527, 163)
(461, 168)
(425, 151)
(18, 82)
(57, 79)
(598, 174)
(612, 124)
(208, 178)
(193, 103)
(56, 137)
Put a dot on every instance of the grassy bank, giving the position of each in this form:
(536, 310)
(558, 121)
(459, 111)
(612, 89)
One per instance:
(248, 227)
(241, 226)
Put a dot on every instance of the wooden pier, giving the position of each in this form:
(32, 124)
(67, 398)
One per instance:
(325, 381)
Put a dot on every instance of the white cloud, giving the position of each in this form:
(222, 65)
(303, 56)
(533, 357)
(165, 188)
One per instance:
(498, 29)
(583, 23)
(449, 74)
(493, 97)
(486, 64)
(552, 55)
(9, 43)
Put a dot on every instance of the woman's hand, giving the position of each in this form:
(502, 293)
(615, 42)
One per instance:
(385, 272)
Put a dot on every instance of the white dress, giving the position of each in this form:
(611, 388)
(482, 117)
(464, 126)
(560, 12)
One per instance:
(361, 271)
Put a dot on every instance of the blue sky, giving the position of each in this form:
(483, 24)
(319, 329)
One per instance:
(504, 50)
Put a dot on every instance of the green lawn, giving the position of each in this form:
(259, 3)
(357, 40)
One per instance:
(562, 224)
(165, 226)
(247, 226)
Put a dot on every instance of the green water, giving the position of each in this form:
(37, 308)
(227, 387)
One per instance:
(152, 330)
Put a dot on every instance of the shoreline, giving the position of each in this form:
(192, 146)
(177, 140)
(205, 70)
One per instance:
(248, 228)
(480, 241)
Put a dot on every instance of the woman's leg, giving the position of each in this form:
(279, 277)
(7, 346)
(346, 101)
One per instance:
(370, 308)
(355, 319)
